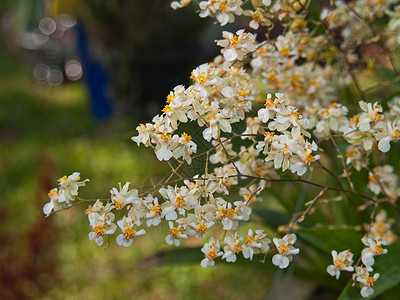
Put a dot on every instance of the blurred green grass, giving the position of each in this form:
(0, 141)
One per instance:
(47, 132)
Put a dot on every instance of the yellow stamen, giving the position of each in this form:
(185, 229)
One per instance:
(378, 250)
(62, 179)
(211, 255)
(333, 105)
(284, 52)
(283, 249)
(351, 153)
(372, 178)
(371, 281)
(99, 230)
(170, 98)
(174, 232)
(156, 209)
(339, 264)
(129, 233)
(179, 200)
(269, 102)
(165, 137)
(209, 117)
(237, 248)
(354, 120)
(227, 213)
(186, 138)
(202, 228)
(53, 193)
(235, 40)
(118, 204)
(250, 240)
(309, 158)
(269, 135)
(166, 109)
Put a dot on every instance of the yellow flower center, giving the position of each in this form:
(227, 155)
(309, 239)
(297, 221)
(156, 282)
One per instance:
(156, 209)
(309, 158)
(165, 137)
(202, 228)
(351, 153)
(339, 264)
(199, 78)
(295, 114)
(372, 178)
(179, 200)
(53, 193)
(243, 93)
(118, 204)
(249, 198)
(209, 117)
(186, 138)
(377, 116)
(211, 255)
(396, 133)
(129, 233)
(174, 232)
(354, 120)
(283, 249)
(269, 135)
(250, 240)
(379, 249)
(170, 98)
(284, 52)
(223, 6)
(371, 281)
(226, 213)
(62, 179)
(99, 230)
(237, 248)
(269, 102)
(333, 105)
(166, 109)
(235, 40)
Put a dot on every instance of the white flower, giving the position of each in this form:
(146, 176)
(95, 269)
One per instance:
(175, 235)
(123, 197)
(69, 187)
(366, 281)
(211, 252)
(233, 247)
(371, 114)
(285, 249)
(341, 262)
(392, 133)
(61, 198)
(153, 215)
(374, 249)
(128, 232)
(101, 225)
(256, 244)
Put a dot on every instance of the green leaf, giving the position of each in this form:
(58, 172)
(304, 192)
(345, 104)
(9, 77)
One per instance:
(272, 218)
(328, 239)
(389, 269)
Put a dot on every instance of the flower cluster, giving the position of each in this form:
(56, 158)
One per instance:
(379, 234)
(264, 113)
(62, 197)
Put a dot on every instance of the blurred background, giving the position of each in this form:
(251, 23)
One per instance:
(76, 77)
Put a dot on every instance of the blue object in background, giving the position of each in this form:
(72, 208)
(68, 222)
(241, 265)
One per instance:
(95, 77)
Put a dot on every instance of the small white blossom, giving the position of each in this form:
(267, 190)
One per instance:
(285, 249)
